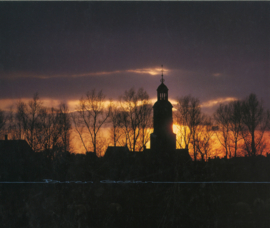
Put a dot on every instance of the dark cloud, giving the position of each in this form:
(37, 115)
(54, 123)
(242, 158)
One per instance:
(216, 49)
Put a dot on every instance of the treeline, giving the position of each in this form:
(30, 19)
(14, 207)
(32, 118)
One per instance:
(129, 120)
(238, 126)
(43, 128)
(51, 129)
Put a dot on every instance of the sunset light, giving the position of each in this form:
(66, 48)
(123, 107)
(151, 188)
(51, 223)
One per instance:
(151, 71)
(134, 114)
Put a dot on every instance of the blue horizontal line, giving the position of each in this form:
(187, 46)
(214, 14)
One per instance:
(140, 182)
(15, 182)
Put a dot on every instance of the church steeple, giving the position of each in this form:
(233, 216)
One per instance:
(163, 137)
(162, 80)
(162, 90)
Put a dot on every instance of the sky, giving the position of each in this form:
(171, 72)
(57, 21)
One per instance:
(215, 51)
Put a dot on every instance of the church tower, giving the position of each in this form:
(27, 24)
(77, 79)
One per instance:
(163, 139)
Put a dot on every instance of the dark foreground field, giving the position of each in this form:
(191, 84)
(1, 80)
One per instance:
(135, 205)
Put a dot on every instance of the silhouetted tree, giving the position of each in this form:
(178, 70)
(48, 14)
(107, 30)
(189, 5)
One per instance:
(2, 121)
(14, 128)
(54, 129)
(65, 126)
(92, 114)
(116, 131)
(235, 123)
(189, 117)
(223, 118)
(146, 125)
(182, 119)
(79, 128)
(135, 117)
(204, 137)
(255, 122)
(27, 116)
(242, 120)
(45, 129)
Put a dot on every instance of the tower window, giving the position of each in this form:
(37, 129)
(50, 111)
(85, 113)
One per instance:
(163, 96)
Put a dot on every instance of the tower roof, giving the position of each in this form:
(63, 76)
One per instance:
(162, 88)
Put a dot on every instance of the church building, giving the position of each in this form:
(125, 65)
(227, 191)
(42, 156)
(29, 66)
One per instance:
(162, 139)
(162, 150)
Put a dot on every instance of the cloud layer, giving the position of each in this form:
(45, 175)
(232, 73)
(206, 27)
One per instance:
(210, 50)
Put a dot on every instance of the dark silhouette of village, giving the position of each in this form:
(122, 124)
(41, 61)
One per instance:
(158, 187)
(161, 162)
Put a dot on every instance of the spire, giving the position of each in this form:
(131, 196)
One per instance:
(162, 79)
(162, 90)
